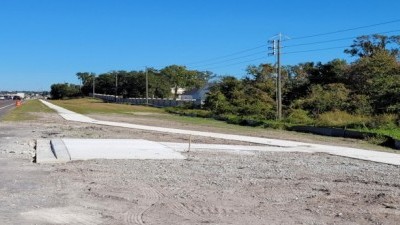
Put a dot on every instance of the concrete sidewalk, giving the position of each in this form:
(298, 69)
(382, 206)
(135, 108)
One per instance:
(66, 149)
(275, 144)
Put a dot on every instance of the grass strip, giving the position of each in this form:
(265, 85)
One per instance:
(26, 111)
(97, 106)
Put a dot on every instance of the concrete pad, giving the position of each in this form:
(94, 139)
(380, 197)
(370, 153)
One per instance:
(84, 149)
(44, 153)
(240, 149)
(374, 156)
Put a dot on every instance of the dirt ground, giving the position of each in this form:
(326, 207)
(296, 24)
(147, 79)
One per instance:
(206, 188)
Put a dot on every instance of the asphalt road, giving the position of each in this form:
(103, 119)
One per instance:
(5, 106)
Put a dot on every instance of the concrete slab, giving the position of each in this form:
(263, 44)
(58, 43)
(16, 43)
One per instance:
(240, 149)
(44, 153)
(374, 156)
(84, 149)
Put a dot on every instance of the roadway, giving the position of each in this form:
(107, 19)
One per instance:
(5, 106)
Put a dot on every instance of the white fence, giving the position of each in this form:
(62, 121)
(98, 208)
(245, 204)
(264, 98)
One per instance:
(158, 102)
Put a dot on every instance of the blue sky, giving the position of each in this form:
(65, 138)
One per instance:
(48, 41)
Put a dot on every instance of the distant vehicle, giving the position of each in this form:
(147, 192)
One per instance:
(2, 98)
(16, 98)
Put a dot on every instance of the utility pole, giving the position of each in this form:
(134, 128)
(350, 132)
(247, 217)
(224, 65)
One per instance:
(94, 81)
(279, 82)
(147, 87)
(116, 86)
(276, 51)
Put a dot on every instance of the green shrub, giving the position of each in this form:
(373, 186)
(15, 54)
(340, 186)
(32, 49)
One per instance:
(189, 112)
(251, 121)
(341, 119)
(233, 119)
(299, 116)
(383, 121)
(275, 124)
(198, 113)
(377, 140)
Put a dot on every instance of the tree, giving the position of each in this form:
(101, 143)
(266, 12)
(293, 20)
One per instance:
(328, 73)
(63, 91)
(216, 102)
(374, 77)
(365, 71)
(159, 86)
(262, 77)
(298, 82)
(105, 84)
(180, 77)
(369, 45)
(325, 98)
(86, 79)
(239, 97)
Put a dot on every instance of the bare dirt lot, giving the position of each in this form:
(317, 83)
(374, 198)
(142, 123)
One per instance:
(206, 188)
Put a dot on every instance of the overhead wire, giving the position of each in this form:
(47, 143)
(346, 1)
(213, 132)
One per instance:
(344, 30)
(227, 58)
(238, 63)
(228, 55)
(339, 39)
(314, 50)
(232, 59)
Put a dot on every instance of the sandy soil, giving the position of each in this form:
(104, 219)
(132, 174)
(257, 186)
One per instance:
(207, 188)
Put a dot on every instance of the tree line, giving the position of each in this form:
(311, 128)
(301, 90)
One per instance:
(132, 84)
(370, 85)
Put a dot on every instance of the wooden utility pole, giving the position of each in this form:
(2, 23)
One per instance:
(116, 86)
(276, 51)
(279, 78)
(94, 82)
(147, 86)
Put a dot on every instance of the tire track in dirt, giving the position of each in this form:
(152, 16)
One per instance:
(150, 197)
(198, 211)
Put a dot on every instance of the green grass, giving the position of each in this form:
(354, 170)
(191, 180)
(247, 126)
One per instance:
(96, 106)
(394, 132)
(26, 111)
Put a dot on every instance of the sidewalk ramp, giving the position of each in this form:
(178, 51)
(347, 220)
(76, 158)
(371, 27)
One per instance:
(64, 150)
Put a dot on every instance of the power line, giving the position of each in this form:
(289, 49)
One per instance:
(228, 55)
(237, 63)
(232, 59)
(333, 40)
(214, 62)
(345, 30)
(315, 50)
(283, 53)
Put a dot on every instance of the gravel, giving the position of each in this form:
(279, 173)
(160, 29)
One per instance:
(206, 188)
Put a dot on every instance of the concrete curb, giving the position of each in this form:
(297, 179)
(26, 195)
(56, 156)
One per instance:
(60, 150)
(44, 154)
